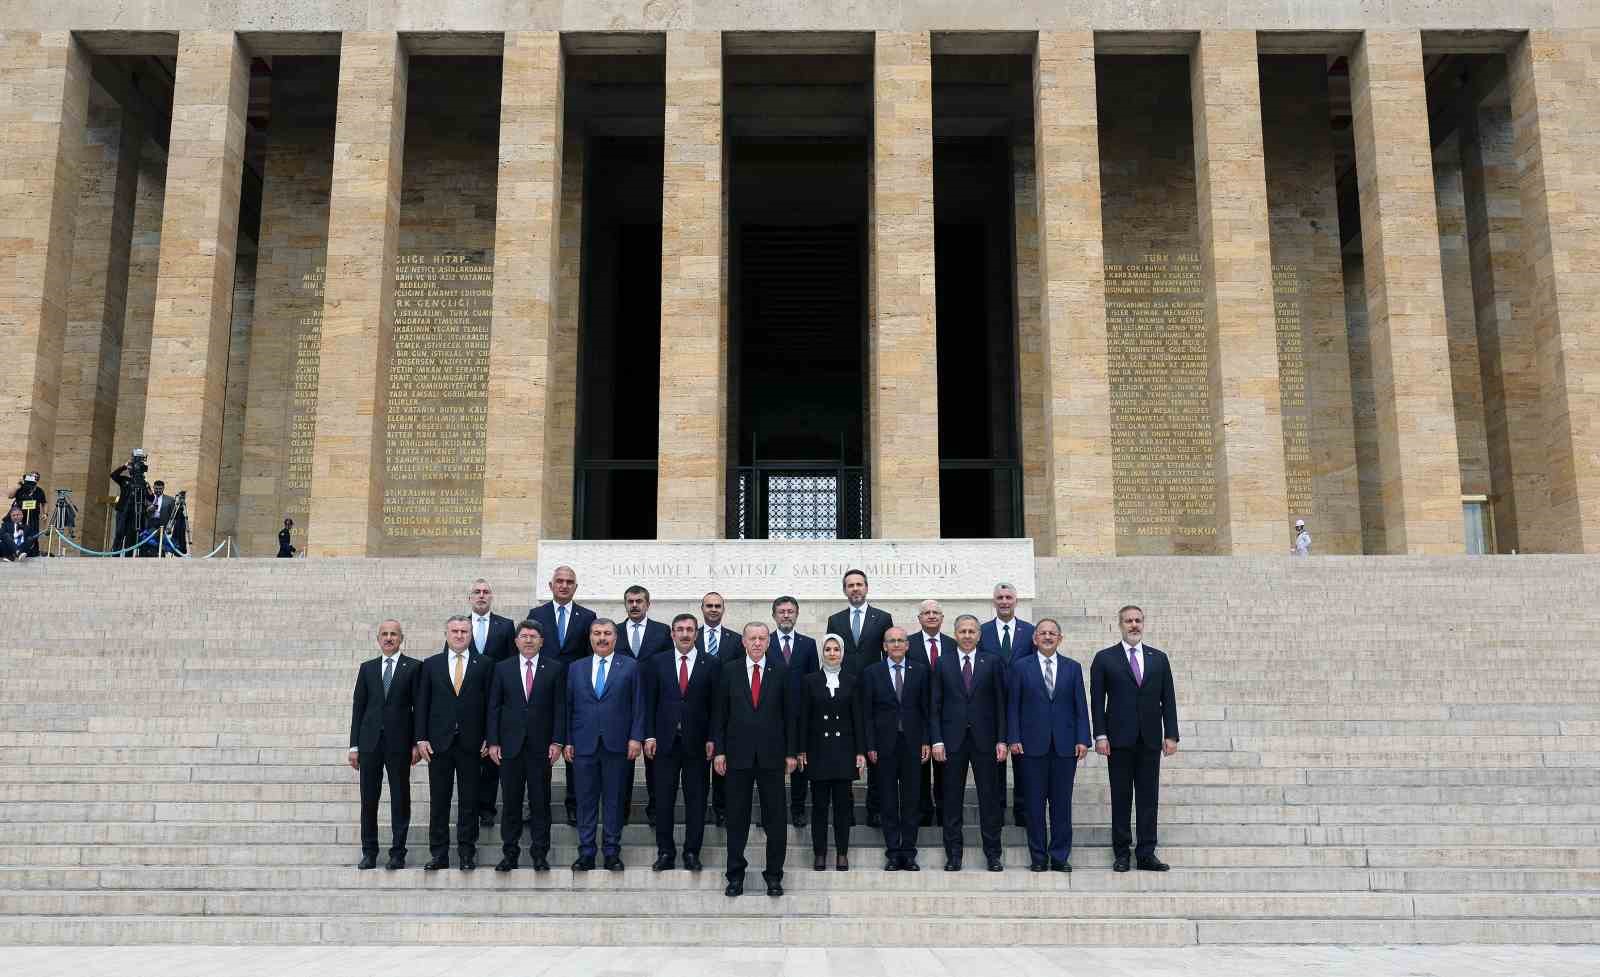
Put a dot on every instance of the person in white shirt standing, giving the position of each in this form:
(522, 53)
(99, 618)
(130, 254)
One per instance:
(1302, 539)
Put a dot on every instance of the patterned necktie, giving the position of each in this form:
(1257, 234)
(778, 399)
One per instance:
(899, 682)
(633, 638)
(683, 675)
(966, 671)
(855, 625)
(786, 649)
(561, 625)
(457, 673)
(1005, 641)
(1050, 677)
(755, 686)
(1133, 663)
(600, 680)
(933, 651)
(527, 681)
(388, 675)
(480, 628)
(711, 640)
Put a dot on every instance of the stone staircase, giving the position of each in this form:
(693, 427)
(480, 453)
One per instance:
(1378, 750)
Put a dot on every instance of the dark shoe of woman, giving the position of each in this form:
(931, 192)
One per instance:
(820, 864)
(842, 864)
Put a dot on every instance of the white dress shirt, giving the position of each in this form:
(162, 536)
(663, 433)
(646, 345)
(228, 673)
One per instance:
(522, 671)
(594, 668)
(480, 632)
(636, 630)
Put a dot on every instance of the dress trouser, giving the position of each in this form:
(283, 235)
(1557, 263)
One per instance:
(488, 786)
(1135, 783)
(682, 765)
(769, 780)
(602, 777)
(898, 789)
(1047, 778)
(797, 792)
(986, 777)
(374, 764)
(834, 795)
(932, 780)
(455, 767)
(526, 775)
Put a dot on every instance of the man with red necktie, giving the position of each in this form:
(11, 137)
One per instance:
(526, 715)
(678, 686)
(754, 735)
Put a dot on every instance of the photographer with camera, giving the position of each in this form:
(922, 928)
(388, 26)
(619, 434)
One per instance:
(132, 502)
(29, 497)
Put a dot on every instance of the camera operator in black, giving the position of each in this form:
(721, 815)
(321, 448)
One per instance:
(132, 502)
(29, 497)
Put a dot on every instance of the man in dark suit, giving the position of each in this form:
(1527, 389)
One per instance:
(383, 742)
(1048, 723)
(969, 722)
(566, 622)
(798, 652)
(678, 690)
(897, 709)
(1011, 638)
(720, 643)
(492, 637)
(605, 734)
(754, 736)
(1135, 723)
(158, 515)
(928, 645)
(527, 708)
(452, 701)
(862, 627)
(14, 537)
(641, 638)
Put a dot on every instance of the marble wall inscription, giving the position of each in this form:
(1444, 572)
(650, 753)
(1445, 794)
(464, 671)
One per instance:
(1286, 289)
(307, 334)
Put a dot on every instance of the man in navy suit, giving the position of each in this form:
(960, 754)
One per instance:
(862, 627)
(452, 701)
(724, 645)
(678, 687)
(605, 734)
(1011, 638)
(383, 742)
(1135, 725)
(494, 638)
(527, 708)
(928, 644)
(897, 710)
(1049, 733)
(642, 638)
(567, 624)
(798, 652)
(969, 720)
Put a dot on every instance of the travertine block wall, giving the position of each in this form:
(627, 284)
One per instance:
(1308, 289)
(144, 261)
(92, 352)
(1072, 296)
(194, 291)
(1236, 272)
(235, 394)
(1455, 269)
(44, 95)
(561, 431)
(1364, 399)
(358, 298)
(1032, 382)
(1553, 77)
(692, 425)
(903, 363)
(527, 253)
(1405, 301)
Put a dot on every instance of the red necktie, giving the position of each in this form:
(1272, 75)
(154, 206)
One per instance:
(933, 652)
(683, 675)
(966, 671)
(527, 681)
(786, 649)
(755, 686)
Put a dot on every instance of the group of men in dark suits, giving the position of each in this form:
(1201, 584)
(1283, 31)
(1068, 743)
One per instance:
(713, 714)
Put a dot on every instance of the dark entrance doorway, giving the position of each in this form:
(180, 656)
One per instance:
(797, 138)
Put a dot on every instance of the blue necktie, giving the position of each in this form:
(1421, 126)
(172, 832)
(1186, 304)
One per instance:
(855, 625)
(561, 626)
(600, 680)
(711, 640)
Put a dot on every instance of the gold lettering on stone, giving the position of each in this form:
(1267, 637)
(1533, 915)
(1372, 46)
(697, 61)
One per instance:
(1158, 346)
(303, 406)
(438, 395)
(1286, 287)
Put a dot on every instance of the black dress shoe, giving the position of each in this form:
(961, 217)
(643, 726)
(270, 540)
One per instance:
(952, 863)
(841, 864)
(735, 888)
(995, 865)
(436, 864)
(396, 862)
(799, 819)
(692, 862)
(663, 862)
(1120, 864)
(819, 864)
(1060, 866)
(1150, 863)
(583, 865)
(891, 865)
(1038, 866)
(486, 819)
(469, 863)
(367, 861)
(1019, 819)
(505, 865)
(721, 821)
(910, 865)
(613, 863)
(927, 820)
(874, 820)
(541, 864)
(572, 819)
(774, 889)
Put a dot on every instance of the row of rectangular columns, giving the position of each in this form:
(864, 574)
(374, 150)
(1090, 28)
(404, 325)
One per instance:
(43, 104)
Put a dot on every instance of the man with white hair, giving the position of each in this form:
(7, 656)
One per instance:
(1011, 638)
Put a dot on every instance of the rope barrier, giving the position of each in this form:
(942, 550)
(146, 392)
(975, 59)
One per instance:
(173, 547)
(88, 552)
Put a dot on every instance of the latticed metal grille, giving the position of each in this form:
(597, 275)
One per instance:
(791, 502)
(802, 506)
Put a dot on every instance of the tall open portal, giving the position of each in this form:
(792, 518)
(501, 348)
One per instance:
(799, 147)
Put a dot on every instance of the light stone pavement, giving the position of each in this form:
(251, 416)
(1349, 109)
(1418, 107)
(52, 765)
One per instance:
(448, 961)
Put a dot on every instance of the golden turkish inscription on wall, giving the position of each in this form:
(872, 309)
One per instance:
(1292, 387)
(1162, 463)
(438, 398)
(303, 406)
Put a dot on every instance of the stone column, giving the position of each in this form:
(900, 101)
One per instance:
(194, 288)
(1036, 493)
(44, 98)
(561, 431)
(92, 352)
(1073, 296)
(236, 393)
(1405, 296)
(1455, 274)
(347, 471)
(1553, 78)
(1236, 263)
(690, 472)
(526, 262)
(903, 340)
(144, 259)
